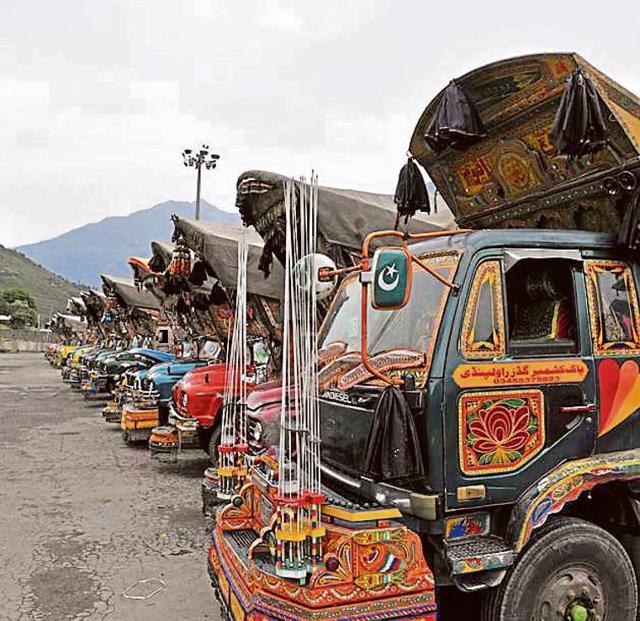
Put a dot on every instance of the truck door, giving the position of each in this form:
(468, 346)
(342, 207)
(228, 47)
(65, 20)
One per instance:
(615, 330)
(520, 387)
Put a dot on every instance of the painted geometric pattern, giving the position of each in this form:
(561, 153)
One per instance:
(499, 431)
(613, 308)
(565, 484)
(483, 333)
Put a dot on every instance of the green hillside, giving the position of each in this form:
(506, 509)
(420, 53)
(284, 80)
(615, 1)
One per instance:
(49, 290)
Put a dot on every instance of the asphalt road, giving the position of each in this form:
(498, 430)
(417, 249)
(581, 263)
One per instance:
(84, 516)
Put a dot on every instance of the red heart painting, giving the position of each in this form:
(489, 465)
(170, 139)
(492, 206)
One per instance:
(608, 376)
(619, 391)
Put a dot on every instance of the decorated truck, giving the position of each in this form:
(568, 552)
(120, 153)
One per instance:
(148, 403)
(131, 318)
(147, 392)
(111, 366)
(194, 419)
(344, 218)
(190, 330)
(198, 397)
(75, 364)
(477, 390)
(69, 331)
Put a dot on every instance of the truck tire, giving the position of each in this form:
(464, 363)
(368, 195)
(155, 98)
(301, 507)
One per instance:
(631, 544)
(572, 570)
(213, 445)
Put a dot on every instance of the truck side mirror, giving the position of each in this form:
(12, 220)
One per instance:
(391, 275)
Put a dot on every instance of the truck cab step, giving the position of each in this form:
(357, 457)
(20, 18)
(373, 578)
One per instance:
(478, 554)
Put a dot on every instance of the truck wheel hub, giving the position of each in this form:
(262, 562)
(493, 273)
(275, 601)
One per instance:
(578, 612)
(573, 594)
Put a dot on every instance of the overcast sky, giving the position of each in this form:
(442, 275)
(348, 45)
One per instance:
(99, 97)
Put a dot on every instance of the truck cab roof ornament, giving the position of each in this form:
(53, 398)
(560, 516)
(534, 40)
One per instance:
(542, 163)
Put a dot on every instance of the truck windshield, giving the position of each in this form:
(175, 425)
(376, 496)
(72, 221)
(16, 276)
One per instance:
(412, 327)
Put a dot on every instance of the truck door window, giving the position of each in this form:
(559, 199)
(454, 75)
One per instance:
(613, 307)
(483, 332)
(541, 307)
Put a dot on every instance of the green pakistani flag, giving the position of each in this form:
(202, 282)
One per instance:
(390, 278)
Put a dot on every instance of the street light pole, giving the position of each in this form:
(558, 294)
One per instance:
(197, 160)
(198, 193)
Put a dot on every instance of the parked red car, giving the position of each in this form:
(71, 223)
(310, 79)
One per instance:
(194, 413)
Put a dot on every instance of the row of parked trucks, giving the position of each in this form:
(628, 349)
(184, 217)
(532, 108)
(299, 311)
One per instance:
(477, 382)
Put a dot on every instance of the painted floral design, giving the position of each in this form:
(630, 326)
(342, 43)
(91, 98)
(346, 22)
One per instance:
(500, 432)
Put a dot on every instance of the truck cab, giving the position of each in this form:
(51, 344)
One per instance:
(521, 378)
(503, 364)
(523, 393)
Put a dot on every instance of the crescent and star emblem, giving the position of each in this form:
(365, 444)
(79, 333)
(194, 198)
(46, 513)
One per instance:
(389, 271)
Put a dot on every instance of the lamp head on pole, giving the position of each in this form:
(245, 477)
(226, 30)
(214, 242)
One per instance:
(200, 158)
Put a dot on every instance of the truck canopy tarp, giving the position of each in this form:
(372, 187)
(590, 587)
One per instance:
(218, 246)
(73, 322)
(161, 254)
(345, 217)
(76, 305)
(128, 293)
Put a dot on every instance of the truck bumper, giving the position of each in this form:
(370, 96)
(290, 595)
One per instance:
(240, 600)
(137, 424)
(372, 569)
(180, 433)
(112, 413)
(96, 386)
(164, 440)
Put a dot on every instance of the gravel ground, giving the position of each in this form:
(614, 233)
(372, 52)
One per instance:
(83, 516)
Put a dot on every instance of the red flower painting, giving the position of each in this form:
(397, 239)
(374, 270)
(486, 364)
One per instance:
(500, 431)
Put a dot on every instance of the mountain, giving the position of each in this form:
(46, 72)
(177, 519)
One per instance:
(49, 290)
(103, 247)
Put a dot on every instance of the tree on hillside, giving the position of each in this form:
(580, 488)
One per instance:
(20, 305)
(15, 294)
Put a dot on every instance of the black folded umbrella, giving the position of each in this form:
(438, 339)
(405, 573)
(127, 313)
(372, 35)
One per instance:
(198, 274)
(218, 295)
(411, 192)
(393, 447)
(182, 307)
(578, 127)
(456, 122)
(273, 239)
(157, 263)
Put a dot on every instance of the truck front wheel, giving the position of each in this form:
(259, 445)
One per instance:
(573, 571)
